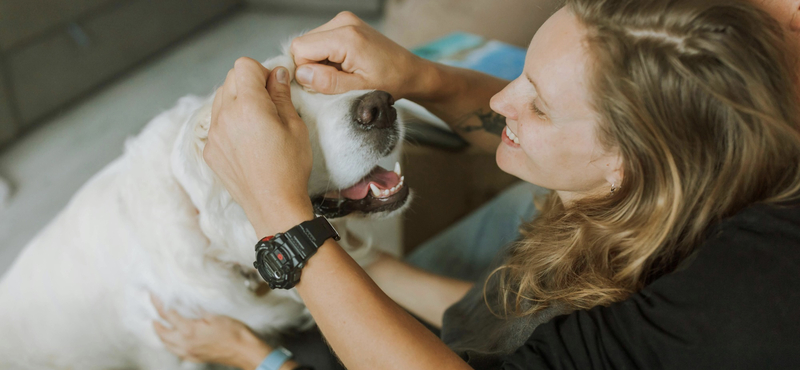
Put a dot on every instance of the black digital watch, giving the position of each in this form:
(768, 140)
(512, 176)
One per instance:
(280, 258)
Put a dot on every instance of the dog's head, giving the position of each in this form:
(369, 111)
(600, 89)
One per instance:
(350, 134)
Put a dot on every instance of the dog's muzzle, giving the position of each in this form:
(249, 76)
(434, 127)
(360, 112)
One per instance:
(380, 191)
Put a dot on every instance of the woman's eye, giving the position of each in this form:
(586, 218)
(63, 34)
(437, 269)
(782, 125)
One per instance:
(536, 110)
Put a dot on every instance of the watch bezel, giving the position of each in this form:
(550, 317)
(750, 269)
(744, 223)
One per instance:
(294, 253)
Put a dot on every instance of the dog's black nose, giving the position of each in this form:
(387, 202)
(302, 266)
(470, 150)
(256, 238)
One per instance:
(375, 110)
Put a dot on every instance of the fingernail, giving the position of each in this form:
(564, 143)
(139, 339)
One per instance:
(282, 75)
(304, 75)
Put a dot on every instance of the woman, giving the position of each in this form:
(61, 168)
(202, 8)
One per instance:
(668, 130)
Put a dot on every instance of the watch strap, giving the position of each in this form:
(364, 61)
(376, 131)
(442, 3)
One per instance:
(318, 230)
(314, 233)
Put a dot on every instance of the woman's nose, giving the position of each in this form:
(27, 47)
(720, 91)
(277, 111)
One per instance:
(500, 104)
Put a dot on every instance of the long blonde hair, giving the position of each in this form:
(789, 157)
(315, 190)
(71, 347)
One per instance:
(698, 98)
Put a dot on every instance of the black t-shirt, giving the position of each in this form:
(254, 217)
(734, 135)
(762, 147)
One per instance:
(734, 305)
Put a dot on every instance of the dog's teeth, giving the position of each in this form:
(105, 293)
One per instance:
(375, 191)
(397, 168)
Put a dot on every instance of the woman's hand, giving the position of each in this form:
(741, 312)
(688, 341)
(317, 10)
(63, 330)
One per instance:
(259, 147)
(210, 339)
(354, 56)
(347, 54)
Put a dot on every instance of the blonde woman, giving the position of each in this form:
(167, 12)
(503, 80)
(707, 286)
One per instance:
(668, 131)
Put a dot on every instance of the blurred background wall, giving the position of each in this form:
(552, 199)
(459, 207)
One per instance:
(53, 52)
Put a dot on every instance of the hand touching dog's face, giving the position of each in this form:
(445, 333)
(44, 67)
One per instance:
(350, 133)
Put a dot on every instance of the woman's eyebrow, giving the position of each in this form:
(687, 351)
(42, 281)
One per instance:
(538, 92)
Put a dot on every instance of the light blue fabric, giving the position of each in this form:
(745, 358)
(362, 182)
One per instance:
(464, 250)
(275, 359)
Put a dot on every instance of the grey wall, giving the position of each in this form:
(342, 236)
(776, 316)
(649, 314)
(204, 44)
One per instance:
(54, 51)
(360, 7)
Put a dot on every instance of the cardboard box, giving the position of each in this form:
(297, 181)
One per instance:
(449, 185)
(413, 22)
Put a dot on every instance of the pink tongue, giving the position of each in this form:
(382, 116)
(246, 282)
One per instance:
(383, 179)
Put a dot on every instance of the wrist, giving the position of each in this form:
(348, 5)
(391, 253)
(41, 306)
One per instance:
(270, 220)
(252, 351)
(288, 365)
(436, 82)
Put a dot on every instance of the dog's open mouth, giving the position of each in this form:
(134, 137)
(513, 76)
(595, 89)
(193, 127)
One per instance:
(380, 191)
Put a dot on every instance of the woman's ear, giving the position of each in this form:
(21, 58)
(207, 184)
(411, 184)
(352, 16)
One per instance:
(617, 172)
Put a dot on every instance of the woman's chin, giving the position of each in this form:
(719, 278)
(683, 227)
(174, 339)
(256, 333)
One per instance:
(505, 161)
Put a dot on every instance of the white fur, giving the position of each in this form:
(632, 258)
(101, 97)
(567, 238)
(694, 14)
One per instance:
(157, 220)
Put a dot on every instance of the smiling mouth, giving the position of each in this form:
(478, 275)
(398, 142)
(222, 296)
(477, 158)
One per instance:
(379, 191)
(511, 135)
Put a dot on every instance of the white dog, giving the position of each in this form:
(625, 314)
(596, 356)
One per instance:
(157, 220)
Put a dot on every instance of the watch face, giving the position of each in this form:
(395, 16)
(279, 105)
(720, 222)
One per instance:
(272, 262)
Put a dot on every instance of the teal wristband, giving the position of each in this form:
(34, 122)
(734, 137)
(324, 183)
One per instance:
(275, 359)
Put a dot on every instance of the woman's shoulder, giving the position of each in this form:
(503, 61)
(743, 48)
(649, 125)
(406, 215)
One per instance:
(781, 218)
(758, 243)
(772, 229)
(732, 305)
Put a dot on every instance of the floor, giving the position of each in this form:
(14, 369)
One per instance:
(46, 167)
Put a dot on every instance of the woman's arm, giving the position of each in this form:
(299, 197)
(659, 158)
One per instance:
(256, 142)
(425, 294)
(463, 102)
(365, 328)
(358, 57)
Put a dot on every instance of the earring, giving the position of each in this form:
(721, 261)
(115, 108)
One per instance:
(613, 188)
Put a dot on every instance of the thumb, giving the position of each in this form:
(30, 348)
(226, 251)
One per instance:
(281, 94)
(327, 79)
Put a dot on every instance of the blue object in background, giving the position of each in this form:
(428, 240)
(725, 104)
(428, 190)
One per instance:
(474, 52)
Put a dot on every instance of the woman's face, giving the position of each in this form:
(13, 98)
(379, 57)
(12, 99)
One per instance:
(549, 111)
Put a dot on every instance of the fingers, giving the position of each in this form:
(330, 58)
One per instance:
(216, 105)
(251, 76)
(281, 94)
(229, 86)
(329, 45)
(166, 334)
(171, 340)
(171, 316)
(328, 80)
